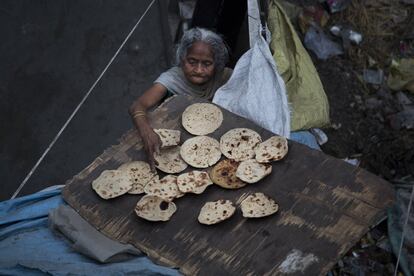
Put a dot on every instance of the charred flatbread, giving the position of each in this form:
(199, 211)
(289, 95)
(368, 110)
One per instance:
(258, 205)
(166, 188)
(216, 211)
(239, 143)
(193, 182)
(139, 173)
(169, 137)
(273, 149)
(170, 161)
(202, 118)
(154, 208)
(111, 183)
(251, 171)
(224, 174)
(201, 151)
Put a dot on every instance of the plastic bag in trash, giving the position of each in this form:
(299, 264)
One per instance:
(402, 75)
(337, 5)
(319, 43)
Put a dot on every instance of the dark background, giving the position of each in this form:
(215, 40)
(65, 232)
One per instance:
(51, 52)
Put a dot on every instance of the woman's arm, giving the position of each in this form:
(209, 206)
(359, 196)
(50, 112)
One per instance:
(138, 111)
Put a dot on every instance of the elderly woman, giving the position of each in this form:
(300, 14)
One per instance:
(201, 58)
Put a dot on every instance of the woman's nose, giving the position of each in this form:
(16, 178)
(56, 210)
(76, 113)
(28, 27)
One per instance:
(199, 68)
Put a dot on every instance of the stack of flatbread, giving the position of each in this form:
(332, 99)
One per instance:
(170, 161)
(251, 171)
(130, 178)
(201, 151)
(166, 188)
(239, 143)
(224, 174)
(248, 162)
(154, 208)
(139, 173)
(193, 182)
(112, 183)
(202, 118)
(215, 212)
(168, 137)
(258, 205)
(273, 149)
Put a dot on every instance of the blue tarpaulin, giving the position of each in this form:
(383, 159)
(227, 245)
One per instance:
(29, 247)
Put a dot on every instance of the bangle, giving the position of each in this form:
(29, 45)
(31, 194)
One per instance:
(139, 113)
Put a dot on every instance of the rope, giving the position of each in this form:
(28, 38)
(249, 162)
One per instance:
(80, 104)
(403, 232)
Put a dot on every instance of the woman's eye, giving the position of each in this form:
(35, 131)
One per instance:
(208, 63)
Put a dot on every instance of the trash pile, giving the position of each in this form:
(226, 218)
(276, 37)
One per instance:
(364, 54)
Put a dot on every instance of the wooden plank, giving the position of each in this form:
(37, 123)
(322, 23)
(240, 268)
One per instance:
(326, 205)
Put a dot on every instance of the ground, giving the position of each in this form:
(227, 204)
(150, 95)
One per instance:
(361, 130)
(365, 122)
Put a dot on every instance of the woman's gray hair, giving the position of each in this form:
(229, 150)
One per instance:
(220, 50)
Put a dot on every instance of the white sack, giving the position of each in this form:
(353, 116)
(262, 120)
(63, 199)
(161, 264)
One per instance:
(256, 91)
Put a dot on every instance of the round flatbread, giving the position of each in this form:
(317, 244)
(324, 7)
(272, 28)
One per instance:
(239, 143)
(258, 205)
(154, 208)
(139, 173)
(169, 160)
(169, 137)
(202, 118)
(273, 149)
(111, 183)
(251, 171)
(216, 211)
(224, 174)
(201, 151)
(193, 182)
(166, 188)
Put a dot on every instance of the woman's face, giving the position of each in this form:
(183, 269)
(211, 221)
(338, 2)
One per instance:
(198, 66)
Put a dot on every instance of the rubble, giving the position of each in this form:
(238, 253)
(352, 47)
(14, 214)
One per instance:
(369, 81)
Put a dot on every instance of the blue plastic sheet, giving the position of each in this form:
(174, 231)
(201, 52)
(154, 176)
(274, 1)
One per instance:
(306, 138)
(29, 247)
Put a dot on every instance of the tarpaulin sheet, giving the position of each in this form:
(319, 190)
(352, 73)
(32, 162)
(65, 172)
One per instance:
(29, 247)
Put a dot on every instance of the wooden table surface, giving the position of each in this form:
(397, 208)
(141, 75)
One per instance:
(325, 207)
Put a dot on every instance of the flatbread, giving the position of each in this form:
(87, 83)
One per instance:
(139, 173)
(216, 211)
(239, 143)
(202, 118)
(224, 174)
(251, 171)
(166, 188)
(273, 149)
(169, 160)
(111, 183)
(154, 208)
(169, 137)
(201, 151)
(258, 205)
(193, 182)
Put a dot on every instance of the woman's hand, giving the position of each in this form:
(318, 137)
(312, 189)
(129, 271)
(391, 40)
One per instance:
(152, 144)
(150, 139)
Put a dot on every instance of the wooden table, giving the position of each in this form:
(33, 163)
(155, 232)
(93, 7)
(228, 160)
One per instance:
(326, 206)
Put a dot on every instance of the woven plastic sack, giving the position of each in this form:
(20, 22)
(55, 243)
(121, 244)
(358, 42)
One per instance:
(256, 91)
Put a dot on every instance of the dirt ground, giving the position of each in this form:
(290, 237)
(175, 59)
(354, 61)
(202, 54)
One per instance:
(362, 126)
(365, 118)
